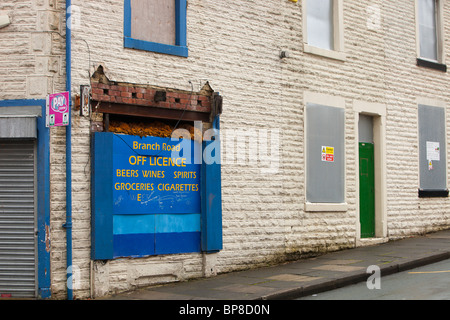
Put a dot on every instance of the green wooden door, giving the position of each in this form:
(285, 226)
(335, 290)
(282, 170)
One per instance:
(366, 190)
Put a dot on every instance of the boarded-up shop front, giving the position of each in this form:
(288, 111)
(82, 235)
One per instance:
(153, 191)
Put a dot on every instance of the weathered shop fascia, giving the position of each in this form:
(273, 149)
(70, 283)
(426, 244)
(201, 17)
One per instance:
(156, 183)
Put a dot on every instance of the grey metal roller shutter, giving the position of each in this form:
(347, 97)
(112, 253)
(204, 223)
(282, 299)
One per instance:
(17, 219)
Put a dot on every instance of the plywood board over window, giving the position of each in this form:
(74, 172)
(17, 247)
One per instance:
(157, 26)
(324, 153)
(153, 21)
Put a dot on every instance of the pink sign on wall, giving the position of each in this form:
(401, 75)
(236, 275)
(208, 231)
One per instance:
(58, 109)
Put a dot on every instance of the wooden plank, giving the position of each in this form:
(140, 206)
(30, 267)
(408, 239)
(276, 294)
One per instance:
(102, 193)
(152, 112)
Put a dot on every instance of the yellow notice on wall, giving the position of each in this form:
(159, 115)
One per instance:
(327, 154)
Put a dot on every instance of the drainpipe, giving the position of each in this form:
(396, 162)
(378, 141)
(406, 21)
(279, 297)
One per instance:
(68, 224)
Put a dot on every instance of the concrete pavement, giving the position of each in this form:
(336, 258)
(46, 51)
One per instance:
(304, 277)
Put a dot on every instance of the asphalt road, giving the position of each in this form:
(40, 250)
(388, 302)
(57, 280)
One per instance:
(431, 282)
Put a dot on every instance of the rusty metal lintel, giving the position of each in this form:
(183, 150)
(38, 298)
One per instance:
(151, 112)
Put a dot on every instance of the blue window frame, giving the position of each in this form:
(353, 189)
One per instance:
(180, 47)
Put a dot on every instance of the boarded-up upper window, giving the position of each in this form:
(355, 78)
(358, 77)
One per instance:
(153, 20)
(156, 25)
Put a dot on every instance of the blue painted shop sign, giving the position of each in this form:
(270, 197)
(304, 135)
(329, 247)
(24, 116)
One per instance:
(153, 175)
(146, 194)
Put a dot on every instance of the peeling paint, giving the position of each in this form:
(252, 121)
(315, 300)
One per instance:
(47, 238)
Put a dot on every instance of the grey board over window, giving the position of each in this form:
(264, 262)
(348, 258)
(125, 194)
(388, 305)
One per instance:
(325, 177)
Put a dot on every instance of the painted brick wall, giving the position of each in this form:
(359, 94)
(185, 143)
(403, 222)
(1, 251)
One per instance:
(235, 46)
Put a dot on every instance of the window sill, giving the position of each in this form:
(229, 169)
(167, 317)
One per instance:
(431, 64)
(181, 51)
(326, 207)
(336, 55)
(433, 193)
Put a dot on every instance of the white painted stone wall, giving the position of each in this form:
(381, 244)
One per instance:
(31, 65)
(235, 45)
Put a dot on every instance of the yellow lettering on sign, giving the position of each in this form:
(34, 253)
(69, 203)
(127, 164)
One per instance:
(133, 186)
(133, 160)
(185, 175)
(167, 162)
(153, 174)
(177, 187)
(145, 146)
(127, 173)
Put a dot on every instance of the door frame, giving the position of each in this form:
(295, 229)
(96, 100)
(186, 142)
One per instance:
(42, 205)
(378, 112)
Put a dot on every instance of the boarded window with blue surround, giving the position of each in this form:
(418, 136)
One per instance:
(146, 196)
(157, 25)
